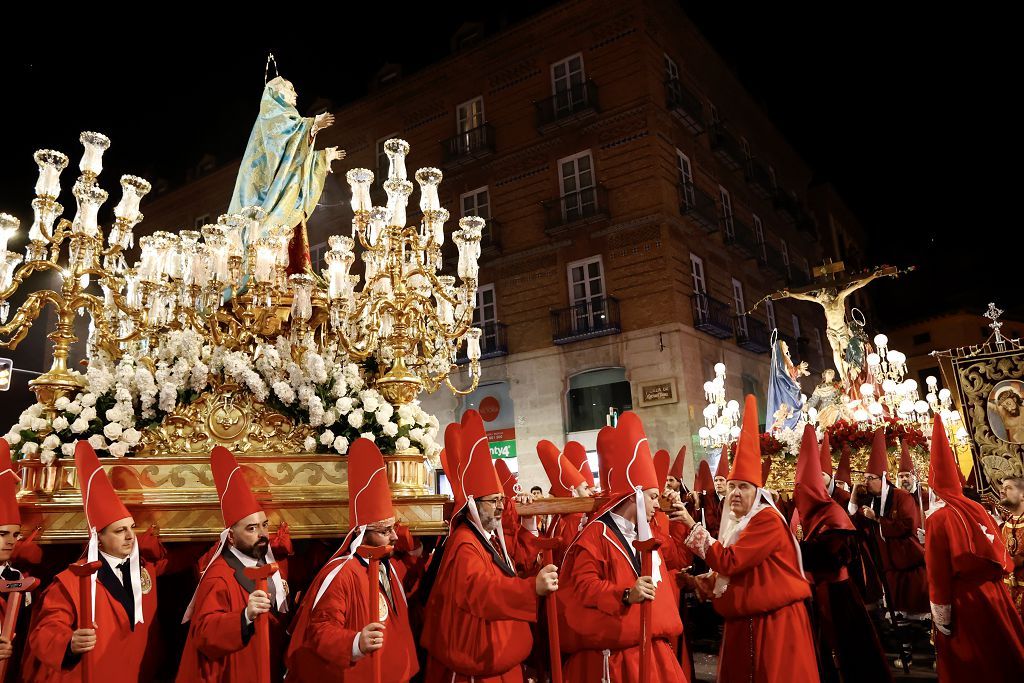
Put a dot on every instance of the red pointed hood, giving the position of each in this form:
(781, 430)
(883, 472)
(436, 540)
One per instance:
(723, 464)
(826, 456)
(450, 461)
(102, 506)
(477, 476)
(906, 463)
(632, 457)
(661, 465)
(563, 476)
(677, 465)
(605, 448)
(236, 499)
(878, 464)
(704, 482)
(944, 478)
(577, 455)
(508, 479)
(369, 494)
(818, 512)
(747, 465)
(843, 469)
(9, 479)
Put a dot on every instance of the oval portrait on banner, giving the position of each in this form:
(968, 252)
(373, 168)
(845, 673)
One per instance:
(1006, 410)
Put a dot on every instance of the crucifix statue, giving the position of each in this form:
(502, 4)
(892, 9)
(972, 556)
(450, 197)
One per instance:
(830, 291)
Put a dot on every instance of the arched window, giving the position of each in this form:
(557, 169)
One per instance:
(592, 393)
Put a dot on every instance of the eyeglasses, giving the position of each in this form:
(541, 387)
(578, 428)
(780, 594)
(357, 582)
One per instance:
(496, 502)
(383, 532)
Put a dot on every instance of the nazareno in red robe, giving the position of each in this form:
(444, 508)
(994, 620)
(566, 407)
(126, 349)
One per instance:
(599, 632)
(220, 647)
(477, 618)
(902, 558)
(967, 591)
(322, 635)
(767, 634)
(119, 651)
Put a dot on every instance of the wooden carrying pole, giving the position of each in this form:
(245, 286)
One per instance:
(373, 555)
(548, 545)
(259, 575)
(84, 571)
(646, 550)
(13, 590)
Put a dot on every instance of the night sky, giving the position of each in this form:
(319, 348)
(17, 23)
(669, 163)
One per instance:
(907, 114)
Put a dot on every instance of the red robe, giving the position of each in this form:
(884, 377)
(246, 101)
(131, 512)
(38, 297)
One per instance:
(767, 634)
(564, 528)
(894, 533)
(119, 651)
(1013, 539)
(987, 641)
(477, 620)
(321, 645)
(596, 572)
(711, 506)
(220, 647)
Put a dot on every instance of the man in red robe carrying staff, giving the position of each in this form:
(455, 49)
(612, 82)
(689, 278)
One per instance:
(335, 630)
(220, 645)
(478, 615)
(760, 587)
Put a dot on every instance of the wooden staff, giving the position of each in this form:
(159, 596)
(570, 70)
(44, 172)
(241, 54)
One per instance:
(13, 590)
(548, 545)
(646, 550)
(84, 571)
(373, 556)
(259, 575)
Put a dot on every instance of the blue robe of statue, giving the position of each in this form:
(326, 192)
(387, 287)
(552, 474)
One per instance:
(783, 390)
(280, 172)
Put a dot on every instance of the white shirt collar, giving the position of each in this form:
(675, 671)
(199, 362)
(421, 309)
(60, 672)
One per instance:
(114, 562)
(246, 560)
(626, 527)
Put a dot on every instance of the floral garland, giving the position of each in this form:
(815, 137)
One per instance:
(858, 435)
(119, 400)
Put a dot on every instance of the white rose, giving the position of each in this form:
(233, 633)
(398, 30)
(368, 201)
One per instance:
(416, 434)
(88, 414)
(34, 410)
(327, 438)
(51, 442)
(118, 449)
(47, 457)
(344, 405)
(25, 421)
(131, 436)
(87, 399)
(97, 442)
(79, 426)
(401, 443)
(330, 417)
(60, 423)
(309, 444)
(14, 438)
(29, 447)
(39, 423)
(74, 408)
(68, 449)
(368, 436)
(355, 419)
(370, 401)
(113, 431)
(62, 403)
(341, 445)
(384, 413)
(389, 429)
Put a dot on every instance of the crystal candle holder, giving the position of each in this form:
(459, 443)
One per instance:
(396, 150)
(51, 164)
(45, 212)
(8, 263)
(360, 179)
(90, 198)
(428, 179)
(133, 189)
(8, 229)
(95, 145)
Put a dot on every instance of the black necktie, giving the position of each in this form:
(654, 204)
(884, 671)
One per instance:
(126, 580)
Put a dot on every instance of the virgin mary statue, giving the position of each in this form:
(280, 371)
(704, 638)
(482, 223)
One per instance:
(280, 172)
(784, 403)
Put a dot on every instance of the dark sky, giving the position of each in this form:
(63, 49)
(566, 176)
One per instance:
(906, 113)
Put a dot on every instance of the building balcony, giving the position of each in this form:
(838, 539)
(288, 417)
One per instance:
(574, 209)
(759, 179)
(711, 316)
(493, 342)
(567, 107)
(595, 317)
(740, 235)
(684, 105)
(774, 261)
(786, 205)
(752, 334)
(698, 206)
(727, 148)
(465, 148)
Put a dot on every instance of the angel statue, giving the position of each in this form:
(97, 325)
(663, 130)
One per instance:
(828, 399)
(280, 172)
(784, 404)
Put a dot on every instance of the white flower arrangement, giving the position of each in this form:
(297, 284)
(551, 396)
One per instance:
(120, 399)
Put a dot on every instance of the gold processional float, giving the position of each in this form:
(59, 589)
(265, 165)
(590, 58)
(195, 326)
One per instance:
(209, 340)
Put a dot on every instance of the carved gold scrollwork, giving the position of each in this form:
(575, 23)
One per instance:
(229, 416)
